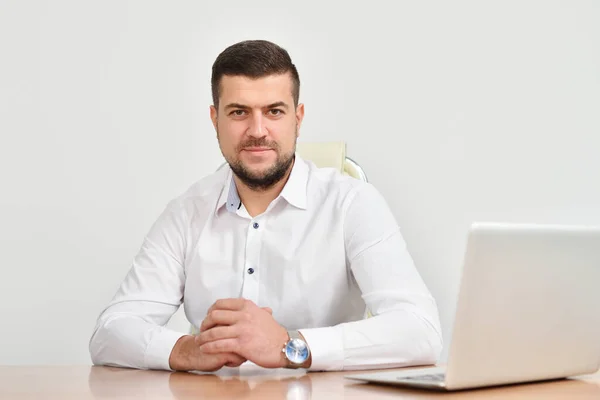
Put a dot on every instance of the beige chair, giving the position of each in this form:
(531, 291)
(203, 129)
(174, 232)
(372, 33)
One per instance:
(331, 155)
(324, 155)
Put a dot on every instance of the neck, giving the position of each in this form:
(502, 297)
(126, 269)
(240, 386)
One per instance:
(257, 201)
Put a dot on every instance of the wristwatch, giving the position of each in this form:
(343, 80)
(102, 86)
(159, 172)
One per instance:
(296, 351)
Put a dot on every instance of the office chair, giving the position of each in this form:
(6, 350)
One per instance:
(331, 155)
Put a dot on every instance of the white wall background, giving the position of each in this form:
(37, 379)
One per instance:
(458, 111)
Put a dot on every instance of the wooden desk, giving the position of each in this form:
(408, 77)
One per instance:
(86, 382)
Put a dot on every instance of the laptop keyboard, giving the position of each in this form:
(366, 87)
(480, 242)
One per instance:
(429, 377)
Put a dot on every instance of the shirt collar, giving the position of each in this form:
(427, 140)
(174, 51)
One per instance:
(294, 191)
(229, 196)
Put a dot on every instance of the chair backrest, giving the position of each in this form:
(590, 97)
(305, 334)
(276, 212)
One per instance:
(331, 155)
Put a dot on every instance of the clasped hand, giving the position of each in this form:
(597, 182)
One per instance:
(234, 330)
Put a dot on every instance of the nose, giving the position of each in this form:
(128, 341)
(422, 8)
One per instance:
(257, 125)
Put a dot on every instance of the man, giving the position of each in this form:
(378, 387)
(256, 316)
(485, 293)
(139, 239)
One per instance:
(276, 261)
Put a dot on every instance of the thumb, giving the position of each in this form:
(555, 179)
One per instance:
(268, 309)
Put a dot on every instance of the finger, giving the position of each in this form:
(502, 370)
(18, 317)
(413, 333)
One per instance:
(234, 360)
(233, 365)
(217, 333)
(221, 346)
(219, 317)
(228, 304)
(268, 309)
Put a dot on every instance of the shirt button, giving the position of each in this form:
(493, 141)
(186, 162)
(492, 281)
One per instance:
(250, 271)
(255, 225)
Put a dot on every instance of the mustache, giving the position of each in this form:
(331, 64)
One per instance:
(257, 142)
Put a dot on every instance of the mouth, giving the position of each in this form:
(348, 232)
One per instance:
(257, 150)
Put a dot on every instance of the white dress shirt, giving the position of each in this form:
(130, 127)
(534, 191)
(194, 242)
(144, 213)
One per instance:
(325, 251)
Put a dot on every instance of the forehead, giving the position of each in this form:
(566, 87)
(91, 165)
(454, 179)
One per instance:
(256, 92)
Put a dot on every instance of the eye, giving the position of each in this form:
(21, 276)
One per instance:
(238, 113)
(276, 112)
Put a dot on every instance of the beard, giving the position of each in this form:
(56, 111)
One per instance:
(261, 180)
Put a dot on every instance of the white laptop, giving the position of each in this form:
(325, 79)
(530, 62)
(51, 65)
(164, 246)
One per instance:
(528, 310)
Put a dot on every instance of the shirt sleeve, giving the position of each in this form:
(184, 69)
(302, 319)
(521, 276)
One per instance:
(404, 327)
(131, 331)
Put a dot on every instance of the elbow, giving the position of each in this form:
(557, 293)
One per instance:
(422, 344)
(114, 343)
(95, 349)
(431, 346)
(425, 350)
(102, 354)
(96, 360)
(432, 349)
(103, 347)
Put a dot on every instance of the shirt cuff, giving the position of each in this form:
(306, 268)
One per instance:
(160, 347)
(326, 347)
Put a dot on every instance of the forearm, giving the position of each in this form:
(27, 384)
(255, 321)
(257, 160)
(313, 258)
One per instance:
(394, 339)
(130, 332)
(130, 341)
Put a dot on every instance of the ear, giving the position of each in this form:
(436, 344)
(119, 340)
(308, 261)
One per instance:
(213, 116)
(299, 117)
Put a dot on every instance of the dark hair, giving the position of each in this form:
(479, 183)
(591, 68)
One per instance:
(253, 59)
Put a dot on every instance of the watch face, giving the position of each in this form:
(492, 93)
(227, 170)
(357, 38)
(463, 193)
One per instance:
(296, 351)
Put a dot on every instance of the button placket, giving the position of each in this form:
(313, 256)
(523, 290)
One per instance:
(252, 266)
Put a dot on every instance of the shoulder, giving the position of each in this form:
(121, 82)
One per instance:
(331, 179)
(331, 182)
(202, 195)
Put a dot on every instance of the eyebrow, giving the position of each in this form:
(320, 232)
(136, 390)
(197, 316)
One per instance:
(245, 107)
(235, 105)
(278, 104)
